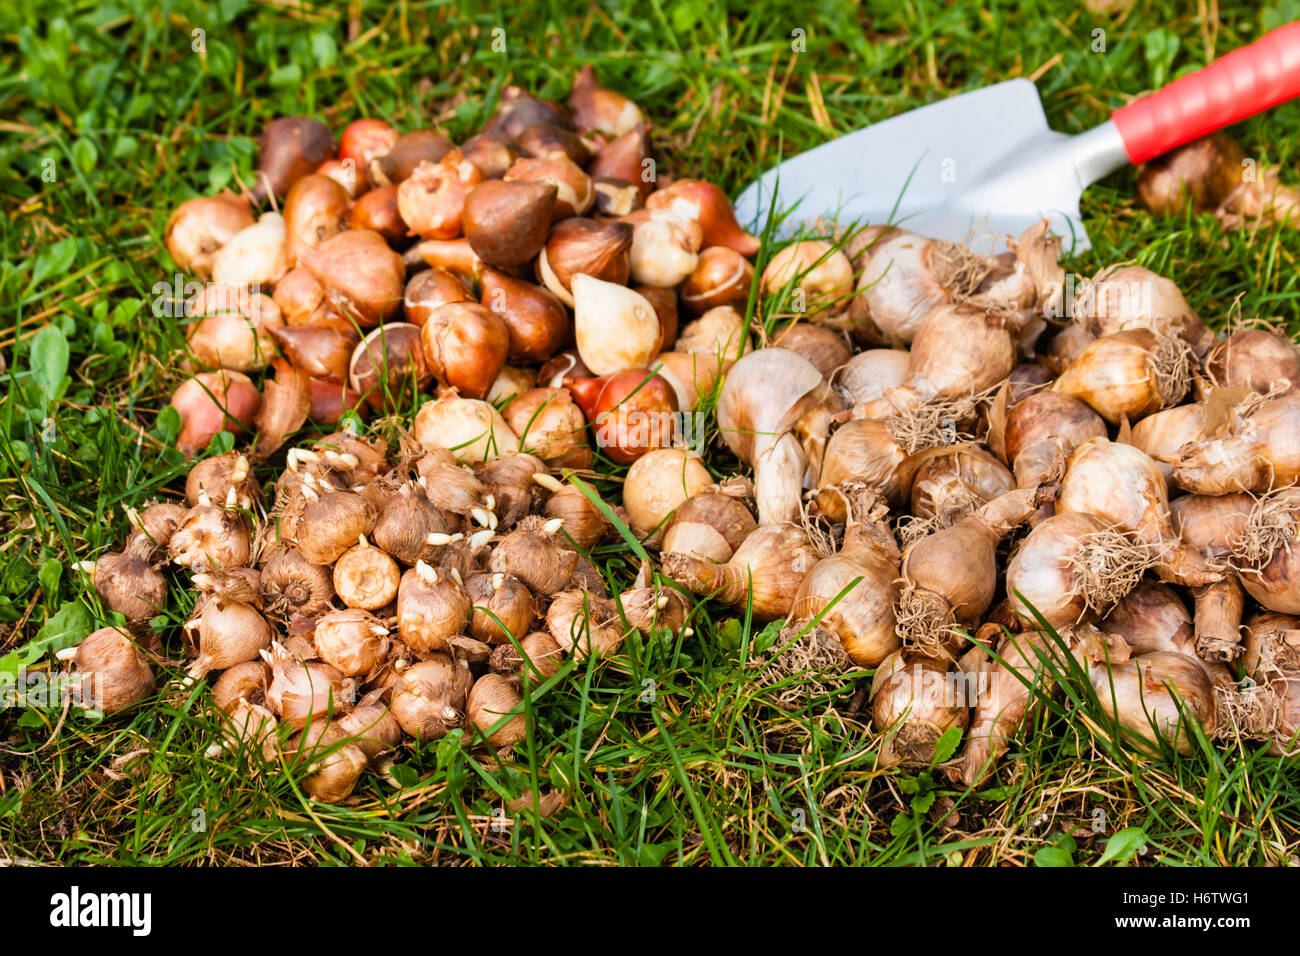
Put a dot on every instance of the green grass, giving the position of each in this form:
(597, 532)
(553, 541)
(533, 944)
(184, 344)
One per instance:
(669, 753)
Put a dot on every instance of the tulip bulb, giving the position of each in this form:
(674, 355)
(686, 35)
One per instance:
(201, 227)
(616, 328)
(471, 429)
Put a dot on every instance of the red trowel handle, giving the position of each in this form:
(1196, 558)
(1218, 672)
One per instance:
(1241, 84)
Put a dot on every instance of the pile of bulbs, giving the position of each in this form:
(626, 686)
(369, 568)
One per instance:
(951, 453)
(376, 598)
(532, 278)
(401, 262)
(1000, 462)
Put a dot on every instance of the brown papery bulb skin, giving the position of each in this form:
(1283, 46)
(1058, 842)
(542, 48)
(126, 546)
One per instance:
(331, 524)
(519, 109)
(363, 278)
(583, 623)
(492, 700)
(1042, 429)
(951, 575)
(303, 692)
(1203, 171)
(466, 347)
(230, 632)
(552, 141)
(1261, 452)
(535, 555)
(1272, 646)
(374, 728)
(1128, 374)
(708, 205)
(905, 278)
(409, 151)
(211, 403)
(1164, 435)
(432, 608)
(624, 159)
(490, 153)
(825, 348)
(1210, 524)
(471, 429)
(852, 594)
(664, 303)
(1268, 552)
(377, 211)
(114, 671)
(433, 198)
(353, 641)
(291, 147)
(334, 764)
(820, 275)
(956, 480)
(504, 608)
(451, 487)
(514, 489)
(767, 569)
(1009, 687)
(1065, 346)
(550, 426)
(1161, 688)
(720, 335)
(574, 191)
(219, 475)
(245, 682)
(211, 538)
(316, 209)
(294, 586)
(867, 376)
(388, 366)
(129, 584)
(584, 524)
(1152, 617)
(913, 705)
(200, 227)
(1122, 485)
(405, 522)
(1256, 359)
(539, 657)
(865, 450)
(600, 110)
(507, 222)
(364, 140)
(986, 356)
(155, 526)
(429, 697)
(429, 290)
(710, 525)
(722, 276)
(324, 350)
(1133, 297)
(1066, 570)
(535, 319)
(578, 246)
(762, 395)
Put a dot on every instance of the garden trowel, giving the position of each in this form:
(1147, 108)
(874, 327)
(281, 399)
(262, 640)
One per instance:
(985, 164)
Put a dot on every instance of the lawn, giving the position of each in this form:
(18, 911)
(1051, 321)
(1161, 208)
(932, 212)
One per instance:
(669, 753)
